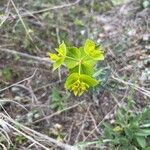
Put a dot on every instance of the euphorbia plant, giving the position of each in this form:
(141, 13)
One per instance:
(80, 63)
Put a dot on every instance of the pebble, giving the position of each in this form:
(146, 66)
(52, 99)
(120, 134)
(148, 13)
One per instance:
(17, 98)
(146, 37)
(15, 89)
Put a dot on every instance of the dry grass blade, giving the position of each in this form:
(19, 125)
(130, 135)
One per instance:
(11, 101)
(25, 55)
(35, 134)
(26, 79)
(3, 146)
(29, 13)
(136, 87)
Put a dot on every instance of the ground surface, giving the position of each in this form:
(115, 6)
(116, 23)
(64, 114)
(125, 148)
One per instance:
(33, 95)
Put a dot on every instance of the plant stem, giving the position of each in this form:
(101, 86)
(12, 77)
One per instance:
(58, 40)
(79, 67)
(84, 57)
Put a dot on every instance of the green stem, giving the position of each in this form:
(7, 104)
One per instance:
(84, 57)
(79, 67)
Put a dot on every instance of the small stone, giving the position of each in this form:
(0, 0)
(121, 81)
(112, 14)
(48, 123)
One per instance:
(147, 47)
(36, 115)
(111, 116)
(140, 64)
(131, 32)
(18, 118)
(108, 28)
(107, 117)
(17, 98)
(58, 126)
(15, 89)
(146, 4)
(4, 126)
(146, 37)
(82, 32)
(112, 121)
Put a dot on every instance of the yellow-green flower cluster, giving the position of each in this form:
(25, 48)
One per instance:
(59, 57)
(80, 63)
(79, 87)
(118, 129)
(54, 57)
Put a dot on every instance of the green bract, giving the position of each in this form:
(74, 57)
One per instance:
(79, 83)
(91, 50)
(60, 57)
(80, 63)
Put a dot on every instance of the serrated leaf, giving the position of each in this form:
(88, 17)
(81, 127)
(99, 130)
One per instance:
(55, 95)
(56, 102)
(7, 73)
(91, 50)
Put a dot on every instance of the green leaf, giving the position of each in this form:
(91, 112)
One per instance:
(79, 83)
(85, 58)
(57, 64)
(76, 56)
(143, 132)
(57, 102)
(126, 147)
(7, 73)
(141, 141)
(60, 57)
(73, 56)
(75, 76)
(146, 125)
(55, 95)
(71, 79)
(84, 69)
(147, 148)
(89, 80)
(62, 49)
(145, 114)
(91, 50)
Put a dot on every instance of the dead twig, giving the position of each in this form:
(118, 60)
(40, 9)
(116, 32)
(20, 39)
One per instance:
(4, 18)
(29, 13)
(26, 79)
(59, 112)
(41, 60)
(136, 87)
(33, 135)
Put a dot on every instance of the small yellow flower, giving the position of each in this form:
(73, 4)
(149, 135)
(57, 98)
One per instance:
(53, 57)
(93, 51)
(79, 87)
(79, 83)
(118, 129)
(59, 57)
